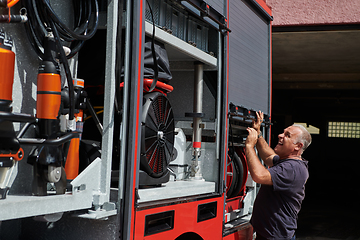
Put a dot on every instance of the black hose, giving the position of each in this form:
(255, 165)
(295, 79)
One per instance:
(156, 67)
(77, 33)
(42, 16)
(67, 71)
(40, 13)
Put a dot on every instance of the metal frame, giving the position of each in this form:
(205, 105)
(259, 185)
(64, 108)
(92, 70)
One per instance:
(181, 46)
(92, 186)
(261, 10)
(133, 84)
(108, 121)
(208, 11)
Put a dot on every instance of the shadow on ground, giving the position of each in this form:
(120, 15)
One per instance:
(326, 221)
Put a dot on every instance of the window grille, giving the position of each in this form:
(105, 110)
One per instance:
(344, 129)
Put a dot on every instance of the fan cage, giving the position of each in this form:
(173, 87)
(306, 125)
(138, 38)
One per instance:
(158, 134)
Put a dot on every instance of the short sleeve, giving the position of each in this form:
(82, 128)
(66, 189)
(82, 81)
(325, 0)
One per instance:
(282, 176)
(276, 159)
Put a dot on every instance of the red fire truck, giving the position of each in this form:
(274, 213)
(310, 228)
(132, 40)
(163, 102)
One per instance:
(127, 119)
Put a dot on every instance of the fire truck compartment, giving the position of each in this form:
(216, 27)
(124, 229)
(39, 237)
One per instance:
(105, 187)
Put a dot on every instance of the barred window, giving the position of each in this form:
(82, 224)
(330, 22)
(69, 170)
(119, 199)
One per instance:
(344, 129)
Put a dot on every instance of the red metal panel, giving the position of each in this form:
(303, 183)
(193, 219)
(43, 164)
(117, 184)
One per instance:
(185, 220)
(242, 234)
(234, 203)
(271, 82)
(141, 32)
(264, 5)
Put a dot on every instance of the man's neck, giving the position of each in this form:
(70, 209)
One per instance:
(292, 156)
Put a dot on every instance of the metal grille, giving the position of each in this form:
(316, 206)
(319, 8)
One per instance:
(157, 11)
(177, 22)
(158, 134)
(344, 129)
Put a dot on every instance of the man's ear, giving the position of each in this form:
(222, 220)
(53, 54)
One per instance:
(298, 146)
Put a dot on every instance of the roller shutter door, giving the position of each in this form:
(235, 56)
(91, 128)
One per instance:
(249, 56)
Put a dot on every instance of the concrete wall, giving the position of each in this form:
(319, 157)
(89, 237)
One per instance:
(308, 12)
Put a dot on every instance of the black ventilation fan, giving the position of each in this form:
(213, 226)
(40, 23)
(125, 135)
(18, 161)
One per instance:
(157, 143)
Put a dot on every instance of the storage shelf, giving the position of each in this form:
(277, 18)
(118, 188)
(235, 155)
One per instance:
(176, 189)
(14, 207)
(20, 206)
(179, 50)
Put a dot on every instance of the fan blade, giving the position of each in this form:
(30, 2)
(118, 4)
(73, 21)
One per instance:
(150, 147)
(152, 128)
(157, 163)
(169, 112)
(165, 107)
(153, 158)
(153, 117)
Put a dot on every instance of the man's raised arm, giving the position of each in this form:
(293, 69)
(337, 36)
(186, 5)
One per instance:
(266, 153)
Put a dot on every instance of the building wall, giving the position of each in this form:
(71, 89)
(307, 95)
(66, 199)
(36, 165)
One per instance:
(309, 12)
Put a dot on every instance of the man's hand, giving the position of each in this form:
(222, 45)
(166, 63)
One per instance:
(257, 171)
(256, 124)
(252, 138)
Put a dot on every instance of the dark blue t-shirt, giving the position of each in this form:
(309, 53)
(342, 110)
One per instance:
(276, 207)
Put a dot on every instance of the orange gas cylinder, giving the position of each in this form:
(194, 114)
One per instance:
(72, 158)
(7, 64)
(48, 95)
(48, 92)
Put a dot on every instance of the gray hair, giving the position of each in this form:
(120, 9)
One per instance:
(304, 137)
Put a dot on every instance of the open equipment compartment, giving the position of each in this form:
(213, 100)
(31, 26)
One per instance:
(185, 59)
(91, 188)
(188, 65)
(154, 164)
(196, 80)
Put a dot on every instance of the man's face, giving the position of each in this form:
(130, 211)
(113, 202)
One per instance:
(287, 144)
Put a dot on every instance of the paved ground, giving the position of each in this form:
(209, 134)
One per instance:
(329, 221)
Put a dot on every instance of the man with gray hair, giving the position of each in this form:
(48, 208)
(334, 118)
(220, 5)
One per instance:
(279, 199)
